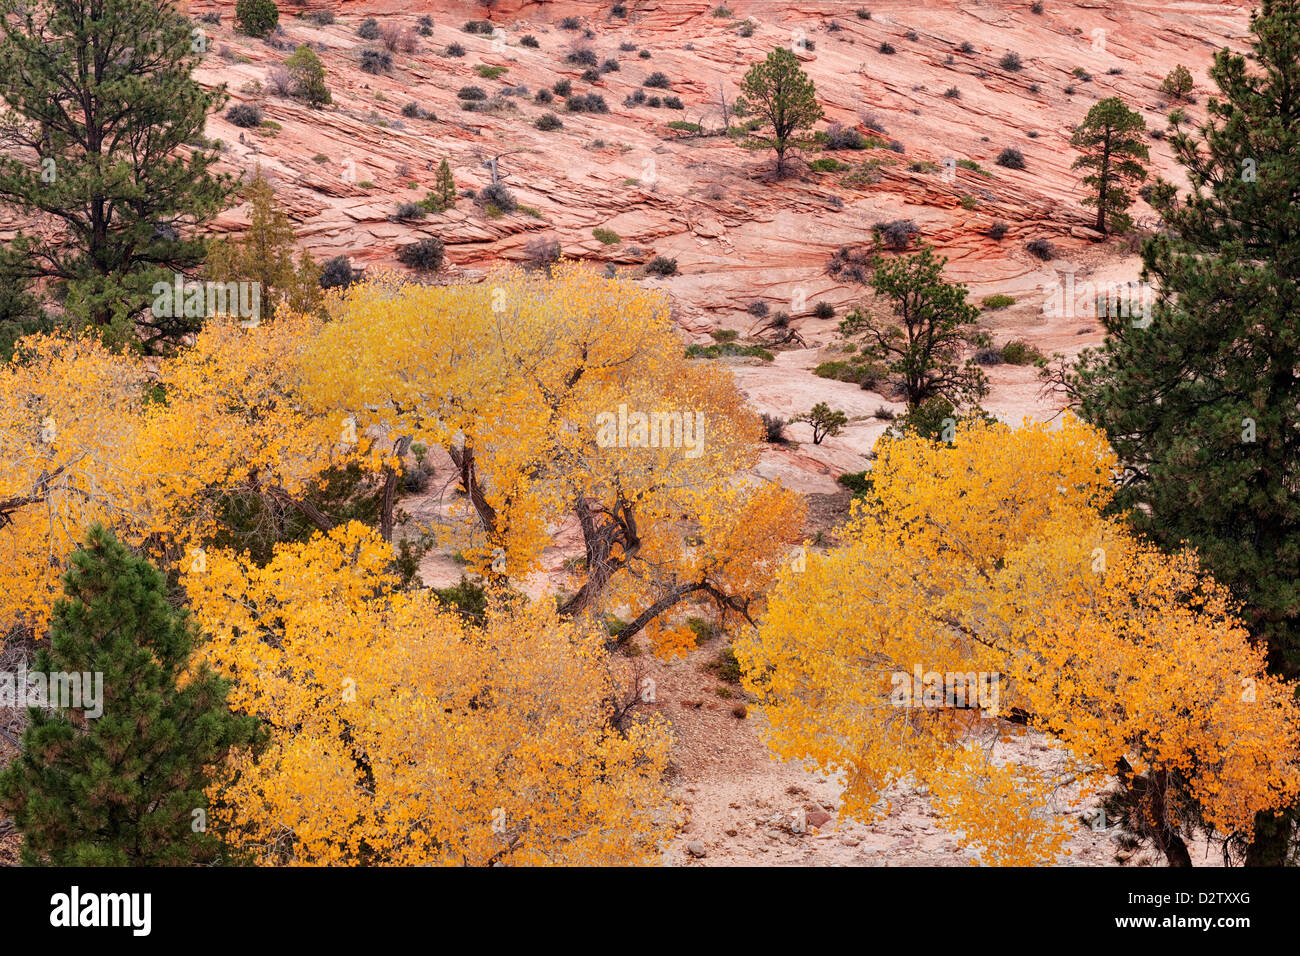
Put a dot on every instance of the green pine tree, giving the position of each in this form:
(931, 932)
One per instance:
(1111, 142)
(125, 787)
(1202, 402)
(444, 188)
(784, 98)
(104, 125)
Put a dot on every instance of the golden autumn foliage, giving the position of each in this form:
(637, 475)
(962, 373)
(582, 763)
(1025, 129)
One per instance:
(534, 385)
(991, 557)
(402, 736)
(89, 435)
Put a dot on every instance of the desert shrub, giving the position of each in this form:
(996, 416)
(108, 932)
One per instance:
(988, 356)
(570, 23)
(454, 49)
(337, 273)
(1017, 352)
(966, 47)
(544, 96)
(211, 17)
(912, 35)
(661, 266)
(256, 18)
(279, 82)
(1035, 7)
(773, 429)
(824, 310)
(729, 350)
(541, 251)
(849, 264)
(952, 93)
(1011, 158)
(998, 301)
(1041, 248)
(590, 75)
(887, 48)
(643, 54)
(376, 61)
(530, 41)
(1011, 61)
(859, 372)
(395, 38)
(610, 66)
(562, 87)
(547, 122)
(896, 235)
(654, 101)
(496, 194)
(413, 110)
(481, 27)
(635, 98)
(872, 121)
(1069, 89)
(658, 81)
(472, 93)
(244, 115)
(863, 13)
(409, 210)
(839, 136)
(425, 24)
(582, 56)
(673, 103)
(368, 29)
(828, 164)
(425, 255)
(589, 103)
(618, 10)
(489, 72)
(724, 335)
(607, 236)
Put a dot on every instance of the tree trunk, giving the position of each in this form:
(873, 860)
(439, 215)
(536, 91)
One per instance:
(1272, 839)
(390, 490)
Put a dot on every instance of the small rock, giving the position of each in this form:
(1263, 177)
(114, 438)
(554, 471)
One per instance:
(1083, 232)
(696, 848)
(849, 839)
(730, 832)
(818, 818)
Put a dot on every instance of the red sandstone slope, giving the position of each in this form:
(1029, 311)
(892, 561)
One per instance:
(737, 235)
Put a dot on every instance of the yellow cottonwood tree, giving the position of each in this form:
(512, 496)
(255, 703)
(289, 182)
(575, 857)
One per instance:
(990, 558)
(87, 435)
(400, 735)
(568, 401)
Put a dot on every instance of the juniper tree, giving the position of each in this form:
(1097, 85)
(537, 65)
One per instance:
(308, 74)
(1110, 140)
(784, 97)
(125, 787)
(103, 134)
(922, 353)
(1202, 401)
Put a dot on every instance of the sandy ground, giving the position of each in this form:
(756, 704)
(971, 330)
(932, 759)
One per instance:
(740, 804)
